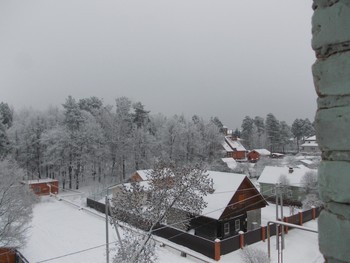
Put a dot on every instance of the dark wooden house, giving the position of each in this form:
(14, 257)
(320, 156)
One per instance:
(43, 186)
(230, 208)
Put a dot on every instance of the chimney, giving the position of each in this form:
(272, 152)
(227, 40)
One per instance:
(291, 170)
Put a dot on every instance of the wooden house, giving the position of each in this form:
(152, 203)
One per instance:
(7, 255)
(43, 186)
(234, 149)
(139, 175)
(293, 192)
(233, 206)
(310, 146)
(254, 155)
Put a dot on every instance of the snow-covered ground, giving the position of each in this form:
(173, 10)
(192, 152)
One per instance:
(62, 232)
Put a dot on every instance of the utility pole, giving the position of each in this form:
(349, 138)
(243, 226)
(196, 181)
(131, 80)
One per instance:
(279, 202)
(107, 238)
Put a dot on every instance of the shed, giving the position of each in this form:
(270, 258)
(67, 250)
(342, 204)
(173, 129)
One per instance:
(45, 186)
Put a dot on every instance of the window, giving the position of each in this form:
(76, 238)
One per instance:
(273, 190)
(36, 189)
(227, 228)
(237, 225)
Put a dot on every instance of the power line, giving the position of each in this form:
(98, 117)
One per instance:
(73, 253)
(183, 221)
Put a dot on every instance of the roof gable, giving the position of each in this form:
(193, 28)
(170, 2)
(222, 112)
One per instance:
(246, 198)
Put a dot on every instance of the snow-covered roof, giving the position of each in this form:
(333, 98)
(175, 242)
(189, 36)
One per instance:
(263, 152)
(309, 144)
(305, 161)
(235, 144)
(277, 154)
(311, 138)
(227, 147)
(271, 174)
(144, 174)
(231, 163)
(225, 185)
(40, 181)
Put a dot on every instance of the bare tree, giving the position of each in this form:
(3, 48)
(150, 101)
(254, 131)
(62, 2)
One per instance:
(16, 203)
(169, 195)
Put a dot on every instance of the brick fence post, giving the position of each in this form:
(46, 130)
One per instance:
(285, 219)
(217, 248)
(300, 218)
(241, 239)
(263, 233)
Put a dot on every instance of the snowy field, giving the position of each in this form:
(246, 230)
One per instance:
(64, 233)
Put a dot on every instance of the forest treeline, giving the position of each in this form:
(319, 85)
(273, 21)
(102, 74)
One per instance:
(272, 134)
(86, 138)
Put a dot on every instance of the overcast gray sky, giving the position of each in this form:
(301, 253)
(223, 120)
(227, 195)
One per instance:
(222, 58)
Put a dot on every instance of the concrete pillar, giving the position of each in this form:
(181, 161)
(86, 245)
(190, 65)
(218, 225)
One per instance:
(331, 73)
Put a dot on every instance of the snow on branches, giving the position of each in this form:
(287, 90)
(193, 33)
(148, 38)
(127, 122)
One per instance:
(15, 205)
(169, 195)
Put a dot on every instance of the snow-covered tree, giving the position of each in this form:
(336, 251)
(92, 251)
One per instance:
(169, 195)
(133, 240)
(302, 128)
(285, 135)
(253, 255)
(310, 184)
(259, 133)
(273, 130)
(247, 131)
(16, 203)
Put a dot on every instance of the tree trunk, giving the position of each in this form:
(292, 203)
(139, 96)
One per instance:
(77, 172)
(70, 170)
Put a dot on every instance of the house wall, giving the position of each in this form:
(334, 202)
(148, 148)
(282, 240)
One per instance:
(135, 177)
(232, 223)
(7, 255)
(253, 156)
(44, 189)
(294, 197)
(205, 227)
(239, 155)
(253, 219)
(309, 149)
(331, 73)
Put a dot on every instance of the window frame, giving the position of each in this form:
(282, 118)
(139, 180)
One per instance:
(226, 228)
(237, 223)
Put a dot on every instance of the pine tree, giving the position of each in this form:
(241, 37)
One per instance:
(273, 132)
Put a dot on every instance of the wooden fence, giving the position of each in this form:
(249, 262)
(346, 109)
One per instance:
(208, 247)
